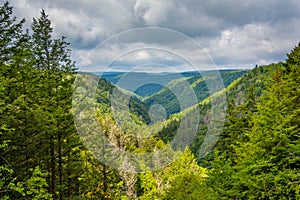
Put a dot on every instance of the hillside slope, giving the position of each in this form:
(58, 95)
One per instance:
(149, 83)
(137, 108)
(238, 91)
(168, 99)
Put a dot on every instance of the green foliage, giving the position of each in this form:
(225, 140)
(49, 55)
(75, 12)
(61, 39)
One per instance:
(263, 163)
(36, 185)
(137, 108)
(149, 186)
(186, 186)
(8, 183)
(169, 183)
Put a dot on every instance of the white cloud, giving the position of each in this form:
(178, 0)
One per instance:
(250, 44)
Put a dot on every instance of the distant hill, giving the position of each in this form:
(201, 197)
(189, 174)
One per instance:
(155, 88)
(150, 83)
(170, 102)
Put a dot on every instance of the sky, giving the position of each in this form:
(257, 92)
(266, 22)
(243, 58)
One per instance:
(164, 35)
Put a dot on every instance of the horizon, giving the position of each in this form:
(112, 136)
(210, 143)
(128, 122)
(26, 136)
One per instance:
(161, 72)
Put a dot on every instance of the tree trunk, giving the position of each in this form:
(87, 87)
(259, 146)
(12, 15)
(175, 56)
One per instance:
(60, 166)
(69, 176)
(53, 171)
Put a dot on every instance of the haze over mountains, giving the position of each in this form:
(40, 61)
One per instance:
(146, 84)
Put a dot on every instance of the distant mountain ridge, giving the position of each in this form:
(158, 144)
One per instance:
(151, 83)
(155, 88)
(166, 97)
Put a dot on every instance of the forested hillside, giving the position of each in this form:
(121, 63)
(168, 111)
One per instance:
(255, 155)
(258, 153)
(152, 93)
(168, 99)
(249, 85)
(155, 91)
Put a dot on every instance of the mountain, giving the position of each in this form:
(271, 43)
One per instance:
(156, 88)
(168, 99)
(237, 90)
(148, 83)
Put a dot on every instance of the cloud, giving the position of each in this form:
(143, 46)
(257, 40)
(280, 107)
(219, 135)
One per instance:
(153, 12)
(83, 22)
(235, 33)
(253, 43)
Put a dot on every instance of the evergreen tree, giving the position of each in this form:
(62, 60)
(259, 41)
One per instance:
(11, 34)
(56, 67)
(14, 67)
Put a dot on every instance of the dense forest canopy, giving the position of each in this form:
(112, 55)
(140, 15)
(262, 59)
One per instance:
(257, 155)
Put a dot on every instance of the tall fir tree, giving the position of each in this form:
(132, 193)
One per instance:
(57, 69)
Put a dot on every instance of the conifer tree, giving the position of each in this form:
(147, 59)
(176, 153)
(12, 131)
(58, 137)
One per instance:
(54, 62)
(16, 76)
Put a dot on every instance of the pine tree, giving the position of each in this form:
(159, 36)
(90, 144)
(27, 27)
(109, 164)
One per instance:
(14, 64)
(54, 62)
(222, 176)
(11, 32)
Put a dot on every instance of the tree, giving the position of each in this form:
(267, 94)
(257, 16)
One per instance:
(169, 183)
(11, 33)
(53, 60)
(36, 186)
(14, 61)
